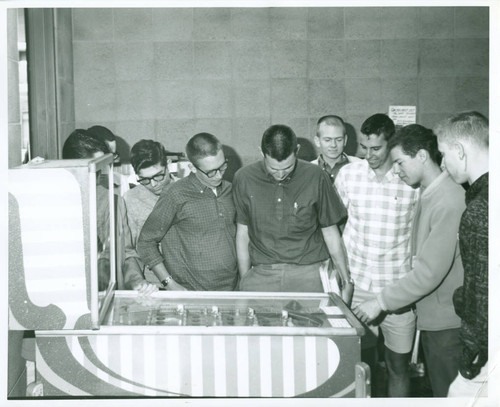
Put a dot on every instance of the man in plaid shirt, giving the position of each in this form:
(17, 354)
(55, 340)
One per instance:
(380, 209)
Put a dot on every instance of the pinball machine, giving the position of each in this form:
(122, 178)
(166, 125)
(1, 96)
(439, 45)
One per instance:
(91, 340)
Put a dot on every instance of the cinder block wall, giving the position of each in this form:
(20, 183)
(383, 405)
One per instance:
(167, 74)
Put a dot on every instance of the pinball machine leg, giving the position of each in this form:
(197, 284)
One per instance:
(362, 380)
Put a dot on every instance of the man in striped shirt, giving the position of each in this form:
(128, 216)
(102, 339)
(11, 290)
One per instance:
(380, 209)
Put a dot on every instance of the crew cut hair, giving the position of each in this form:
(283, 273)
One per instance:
(202, 145)
(278, 142)
(469, 126)
(146, 153)
(333, 121)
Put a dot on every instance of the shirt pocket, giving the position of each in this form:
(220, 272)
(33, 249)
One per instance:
(302, 217)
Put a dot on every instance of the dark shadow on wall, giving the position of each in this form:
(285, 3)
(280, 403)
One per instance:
(234, 162)
(123, 148)
(307, 151)
(351, 147)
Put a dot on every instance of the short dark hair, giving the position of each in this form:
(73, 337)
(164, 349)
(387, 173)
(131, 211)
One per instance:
(333, 121)
(379, 124)
(102, 133)
(278, 142)
(202, 145)
(471, 126)
(146, 153)
(413, 138)
(81, 144)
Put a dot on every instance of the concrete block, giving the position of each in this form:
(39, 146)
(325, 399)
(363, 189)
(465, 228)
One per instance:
(133, 24)
(134, 100)
(299, 125)
(133, 61)
(431, 120)
(289, 97)
(289, 59)
(212, 24)
(173, 60)
(131, 131)
(472, 22)
(326, 23)
(172, 24)
(212, 98)
(250, 23)
(251, 59)
(252, 98)
(436, 57)
(401, 92)
(212, 60)
(436, 94)
(247, 135)
(363, 22)
(220, 128)
(399, 22)
(93, 62)
(95, 101)
(289, 23)
(92, 24)
(174, 133)
(436, 22)
(363, 96)
(326, 59)
(399, 58)
(472, 93)
(471, 56)
(326, 96)
(173, 99)
(362, 58)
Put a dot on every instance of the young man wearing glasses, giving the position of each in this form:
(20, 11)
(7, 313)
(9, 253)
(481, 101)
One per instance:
(150, 163)
(194, 224)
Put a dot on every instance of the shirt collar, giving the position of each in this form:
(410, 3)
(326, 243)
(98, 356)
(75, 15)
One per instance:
(272, 179)
(203, 188)
(388, 177)
(327, 167)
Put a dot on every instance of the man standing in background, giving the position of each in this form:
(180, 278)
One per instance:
(380, 210)
(150, 164)
(331, 139)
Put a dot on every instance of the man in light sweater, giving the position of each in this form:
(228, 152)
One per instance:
(436, 269)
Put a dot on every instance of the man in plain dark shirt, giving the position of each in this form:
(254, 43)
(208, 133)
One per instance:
(287, 216)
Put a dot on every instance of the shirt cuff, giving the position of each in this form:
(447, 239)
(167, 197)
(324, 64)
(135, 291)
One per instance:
(381, 302)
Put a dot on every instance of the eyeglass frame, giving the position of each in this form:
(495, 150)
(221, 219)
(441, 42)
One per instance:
(149, 179)
(215, 171)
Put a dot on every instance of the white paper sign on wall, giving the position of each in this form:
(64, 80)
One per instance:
(403, 115)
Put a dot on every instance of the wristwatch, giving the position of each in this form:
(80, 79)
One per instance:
(166, 281)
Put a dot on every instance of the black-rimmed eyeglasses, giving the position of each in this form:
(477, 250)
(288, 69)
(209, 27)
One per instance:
(147, 180)
(213, 173)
